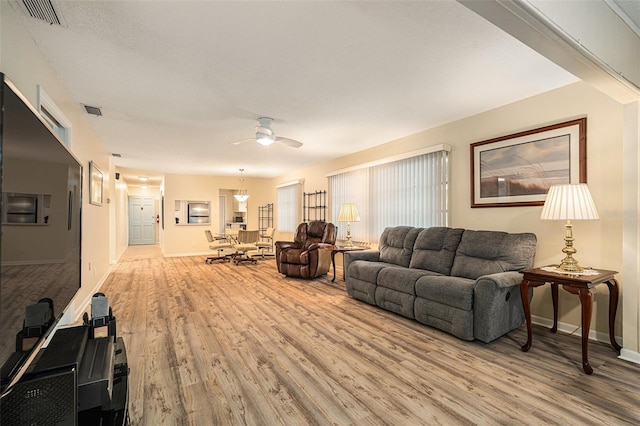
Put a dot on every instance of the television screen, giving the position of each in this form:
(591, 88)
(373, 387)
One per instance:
(40, 231)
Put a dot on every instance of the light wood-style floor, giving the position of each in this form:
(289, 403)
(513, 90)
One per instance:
(232, 345)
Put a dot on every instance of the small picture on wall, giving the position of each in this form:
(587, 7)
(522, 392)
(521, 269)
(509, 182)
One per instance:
(95, 184)
(518, 169)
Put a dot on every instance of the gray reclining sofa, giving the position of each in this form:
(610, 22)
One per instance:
(461, 281)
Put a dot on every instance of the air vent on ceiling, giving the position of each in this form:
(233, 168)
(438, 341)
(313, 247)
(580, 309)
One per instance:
(92, 110)
(45, 10)
(115, 154)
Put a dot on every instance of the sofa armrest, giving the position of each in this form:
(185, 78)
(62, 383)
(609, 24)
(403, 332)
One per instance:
(497, 305)
(351, 256)
(316, 246)
(287, 244)
(499, 280)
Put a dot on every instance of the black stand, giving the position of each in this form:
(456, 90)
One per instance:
(80, 378)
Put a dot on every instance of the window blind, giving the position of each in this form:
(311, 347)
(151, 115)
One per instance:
(411, 191)
(289, 201)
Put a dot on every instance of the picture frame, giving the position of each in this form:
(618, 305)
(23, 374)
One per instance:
(518, 169)
(96, 182)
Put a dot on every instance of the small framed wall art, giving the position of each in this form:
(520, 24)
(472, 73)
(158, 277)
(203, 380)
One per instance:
(96, 182)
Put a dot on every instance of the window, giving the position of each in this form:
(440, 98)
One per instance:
(289, 202)
(411, 190)
(54, 117)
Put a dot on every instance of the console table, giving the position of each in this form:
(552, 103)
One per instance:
(580, 285)
(340, 249)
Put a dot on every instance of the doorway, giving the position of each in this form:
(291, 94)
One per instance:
(222, 213)
(142, 221)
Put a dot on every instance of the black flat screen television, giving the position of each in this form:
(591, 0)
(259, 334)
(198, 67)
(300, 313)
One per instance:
(40, 227)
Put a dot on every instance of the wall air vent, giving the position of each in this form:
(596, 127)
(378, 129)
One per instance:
(92, 110)
(45, 10)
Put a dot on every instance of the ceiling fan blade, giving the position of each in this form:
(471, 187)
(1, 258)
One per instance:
(242, 141)
(289, 142)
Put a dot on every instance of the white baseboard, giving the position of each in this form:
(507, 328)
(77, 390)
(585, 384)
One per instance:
(199, 253)
(630, 356)
(625, 354)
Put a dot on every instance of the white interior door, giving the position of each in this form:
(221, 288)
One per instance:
(142, 221)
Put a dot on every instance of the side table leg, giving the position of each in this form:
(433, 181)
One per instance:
(554, 298)
(613, 308)
(333, 263)
(586, 300)
(524, 294)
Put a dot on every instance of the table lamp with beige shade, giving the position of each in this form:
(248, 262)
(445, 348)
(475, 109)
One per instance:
(348, 213)
(569, 202)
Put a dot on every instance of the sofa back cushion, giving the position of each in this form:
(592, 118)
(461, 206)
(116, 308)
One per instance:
(435, 249)
(396, 244)
(488, 252)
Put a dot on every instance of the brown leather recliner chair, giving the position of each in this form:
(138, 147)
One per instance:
(306, 256)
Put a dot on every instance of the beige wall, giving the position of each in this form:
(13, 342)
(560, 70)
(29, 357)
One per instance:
(599, 243)
(118, 216)
(184, 240)
(24, 64)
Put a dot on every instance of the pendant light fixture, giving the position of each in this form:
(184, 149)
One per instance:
(241, 195)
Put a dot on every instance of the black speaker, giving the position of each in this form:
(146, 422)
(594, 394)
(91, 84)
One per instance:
(117, 176)
(43, 398)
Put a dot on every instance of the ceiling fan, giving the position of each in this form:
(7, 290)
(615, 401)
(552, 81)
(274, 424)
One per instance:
(266, 137)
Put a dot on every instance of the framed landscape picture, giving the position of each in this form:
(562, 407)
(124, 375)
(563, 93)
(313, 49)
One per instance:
(518, 169)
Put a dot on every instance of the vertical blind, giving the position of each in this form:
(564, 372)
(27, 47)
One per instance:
(412, 191)
(289, 201)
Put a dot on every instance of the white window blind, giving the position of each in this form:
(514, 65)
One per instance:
(411, 191)
(289, 202)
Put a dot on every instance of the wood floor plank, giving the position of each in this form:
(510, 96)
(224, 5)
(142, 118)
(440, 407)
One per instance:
(220, 344)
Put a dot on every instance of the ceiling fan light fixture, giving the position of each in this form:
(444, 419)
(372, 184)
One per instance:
(264, 139)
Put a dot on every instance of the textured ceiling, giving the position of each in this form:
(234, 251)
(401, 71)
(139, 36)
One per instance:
(630, 12)
(178, 81)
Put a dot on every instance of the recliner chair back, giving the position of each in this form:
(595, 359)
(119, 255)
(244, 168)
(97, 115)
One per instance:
(316, 231)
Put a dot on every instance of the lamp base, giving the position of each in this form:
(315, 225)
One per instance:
(569, 264)
(347, 240)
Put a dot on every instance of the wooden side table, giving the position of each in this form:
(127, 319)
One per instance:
(575, 284)
(341, 249)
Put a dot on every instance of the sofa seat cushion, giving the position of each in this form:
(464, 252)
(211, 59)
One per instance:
(401, 279)
(396, 244)
(366, 271)
(488, 252)
(452, 291)
(435, 249)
